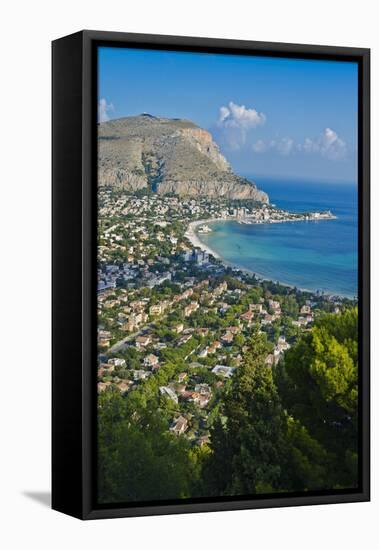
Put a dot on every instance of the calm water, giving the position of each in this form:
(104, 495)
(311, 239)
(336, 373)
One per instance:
(319, 255)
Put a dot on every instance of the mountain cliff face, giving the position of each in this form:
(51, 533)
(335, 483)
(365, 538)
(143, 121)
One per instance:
(167, 156)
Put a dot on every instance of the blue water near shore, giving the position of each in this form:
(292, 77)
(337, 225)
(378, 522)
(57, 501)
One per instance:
(314, 255)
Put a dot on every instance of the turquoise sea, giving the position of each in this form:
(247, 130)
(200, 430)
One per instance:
(313, 255)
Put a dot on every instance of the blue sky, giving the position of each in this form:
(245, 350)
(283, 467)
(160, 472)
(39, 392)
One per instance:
(270, 116)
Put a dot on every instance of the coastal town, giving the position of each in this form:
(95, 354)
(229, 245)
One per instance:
(173, 318)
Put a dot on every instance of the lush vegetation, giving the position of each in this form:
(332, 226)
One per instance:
(292, 427)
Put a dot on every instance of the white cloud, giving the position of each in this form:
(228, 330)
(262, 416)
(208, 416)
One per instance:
(238, 116)
(224, 113)
(103, 109)
(308, 146)
(284, 146)
(236, 120)
(259, 146)
(328, 144)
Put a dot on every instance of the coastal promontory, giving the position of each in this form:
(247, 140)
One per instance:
(167, 156)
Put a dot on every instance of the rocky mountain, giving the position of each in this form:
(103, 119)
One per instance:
(167, 156)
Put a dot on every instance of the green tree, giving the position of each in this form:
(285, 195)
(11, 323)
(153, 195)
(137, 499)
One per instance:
(249, 445)
(139, 458)
(319, 387)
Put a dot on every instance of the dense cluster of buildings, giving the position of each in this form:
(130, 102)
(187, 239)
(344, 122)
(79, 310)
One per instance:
(157, 293)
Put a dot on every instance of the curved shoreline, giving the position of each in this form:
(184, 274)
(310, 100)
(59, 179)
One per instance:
(193, 237)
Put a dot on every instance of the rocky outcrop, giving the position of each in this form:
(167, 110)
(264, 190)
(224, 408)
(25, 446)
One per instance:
(167, 156)
(213, 188)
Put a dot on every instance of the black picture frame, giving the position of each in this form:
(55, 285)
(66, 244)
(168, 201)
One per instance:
(74, 152)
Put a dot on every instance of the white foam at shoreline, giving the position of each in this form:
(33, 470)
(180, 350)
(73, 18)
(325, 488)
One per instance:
(194, 239)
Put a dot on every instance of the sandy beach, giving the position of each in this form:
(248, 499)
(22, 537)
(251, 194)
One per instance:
(196, 242)
(194, 239)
